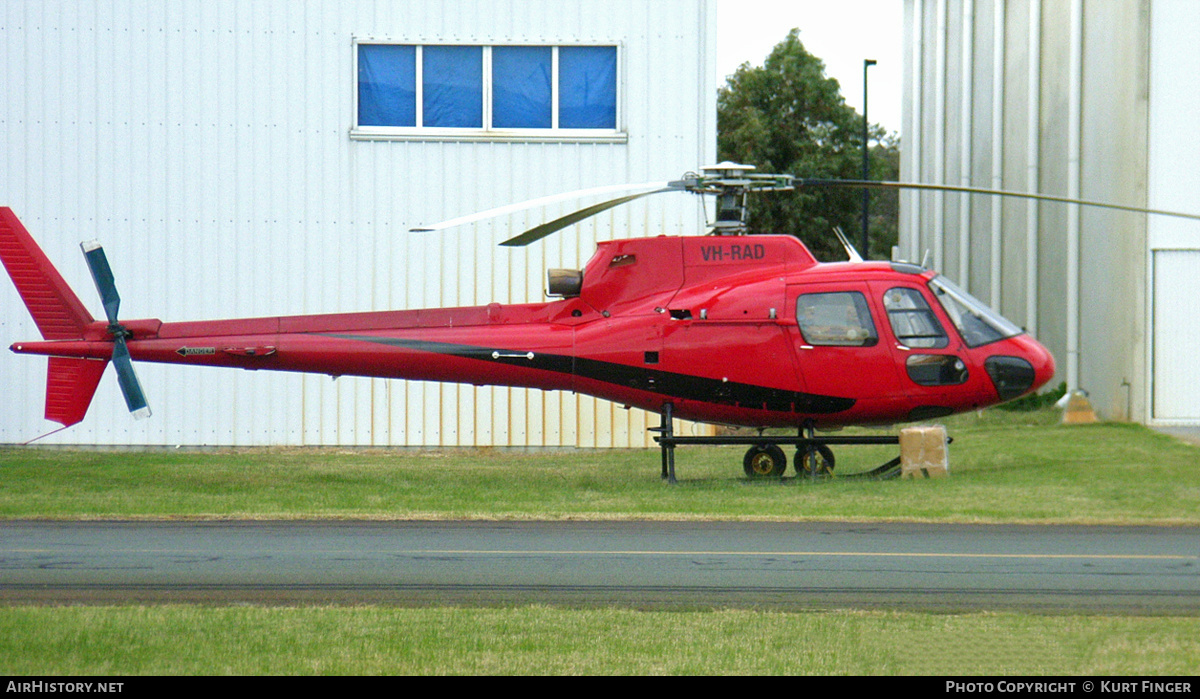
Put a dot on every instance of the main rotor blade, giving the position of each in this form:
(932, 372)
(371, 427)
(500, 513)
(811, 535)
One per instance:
(102, 274)
(541, 201)
(539, 232)
(135, 399)
(978, 190)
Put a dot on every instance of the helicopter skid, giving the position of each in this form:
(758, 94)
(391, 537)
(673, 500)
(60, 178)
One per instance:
(886, 471)
(806, 443)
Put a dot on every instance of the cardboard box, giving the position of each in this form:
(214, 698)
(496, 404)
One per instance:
(923, 452)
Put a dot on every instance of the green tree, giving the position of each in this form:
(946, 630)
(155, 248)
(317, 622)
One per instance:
(786, 116)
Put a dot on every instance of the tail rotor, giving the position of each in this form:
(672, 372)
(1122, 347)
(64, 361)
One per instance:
(102, 274)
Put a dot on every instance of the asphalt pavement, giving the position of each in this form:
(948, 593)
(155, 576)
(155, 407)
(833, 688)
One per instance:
(1109, 569)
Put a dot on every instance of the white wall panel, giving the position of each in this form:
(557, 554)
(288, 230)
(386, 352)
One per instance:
(1174, 370)
(1176, 337)
(206, 143)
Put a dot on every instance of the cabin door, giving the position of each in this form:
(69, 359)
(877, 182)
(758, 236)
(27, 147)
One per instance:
(838, 344)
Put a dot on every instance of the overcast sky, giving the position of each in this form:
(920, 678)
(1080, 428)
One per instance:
(840, 32)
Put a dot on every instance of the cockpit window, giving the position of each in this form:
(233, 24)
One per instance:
(839, 319)
(913, 321)
(978, 324)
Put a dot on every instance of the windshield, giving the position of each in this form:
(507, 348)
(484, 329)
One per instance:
(978, 324)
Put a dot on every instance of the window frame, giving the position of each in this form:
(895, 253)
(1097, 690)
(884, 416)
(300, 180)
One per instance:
(487, 132)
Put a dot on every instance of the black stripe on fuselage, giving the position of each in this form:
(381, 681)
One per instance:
(684, 386)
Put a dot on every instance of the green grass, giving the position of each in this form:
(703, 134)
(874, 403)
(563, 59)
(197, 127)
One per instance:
(1005, 467)
(546, 640)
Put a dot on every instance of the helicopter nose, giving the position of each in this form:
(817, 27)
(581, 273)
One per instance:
(1043, 364)
(1031, 368)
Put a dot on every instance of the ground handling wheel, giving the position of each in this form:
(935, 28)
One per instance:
(764, 461)
(814, 461)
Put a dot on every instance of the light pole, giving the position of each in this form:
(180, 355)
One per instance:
(866, 175)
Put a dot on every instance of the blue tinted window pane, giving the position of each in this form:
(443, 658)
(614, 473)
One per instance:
(521, 87)
(387, 85)
(587, 87)
(452, 79)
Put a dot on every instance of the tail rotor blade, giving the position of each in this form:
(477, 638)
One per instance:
(135, 399)
(103, 276)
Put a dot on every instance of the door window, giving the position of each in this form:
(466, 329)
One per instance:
(913, 321)
(840, 319)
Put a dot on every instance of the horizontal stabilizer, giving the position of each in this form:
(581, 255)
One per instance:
(56, 309)
(70, 385)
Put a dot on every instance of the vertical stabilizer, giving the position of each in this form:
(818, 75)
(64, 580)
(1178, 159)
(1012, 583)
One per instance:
(70, 385)
(59, 314)
(56, 309)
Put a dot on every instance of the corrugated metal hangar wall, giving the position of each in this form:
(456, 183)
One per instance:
(215, 148)
(1093, 100)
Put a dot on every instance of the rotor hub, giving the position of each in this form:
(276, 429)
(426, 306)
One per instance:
(730, 183)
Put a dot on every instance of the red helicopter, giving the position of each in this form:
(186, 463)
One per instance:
(725, 328)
